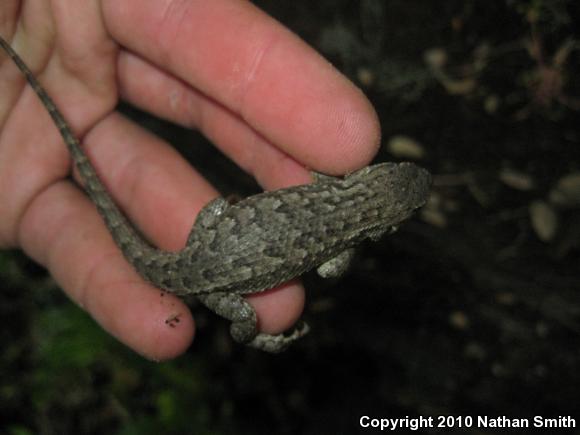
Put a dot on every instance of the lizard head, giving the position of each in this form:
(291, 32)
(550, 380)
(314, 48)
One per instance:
(395, 189)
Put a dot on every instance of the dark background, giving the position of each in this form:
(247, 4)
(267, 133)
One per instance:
(470, 309)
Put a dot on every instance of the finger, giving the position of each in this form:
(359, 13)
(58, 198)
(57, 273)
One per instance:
(148, 179)
(80, 79)
(278, 309)
(259, 71)
(10, 11)
(175, 100)
(62, 231)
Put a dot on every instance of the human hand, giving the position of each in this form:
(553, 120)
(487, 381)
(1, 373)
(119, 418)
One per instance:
(259, 93)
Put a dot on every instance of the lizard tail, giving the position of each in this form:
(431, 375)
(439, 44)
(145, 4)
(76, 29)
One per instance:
(131, 243)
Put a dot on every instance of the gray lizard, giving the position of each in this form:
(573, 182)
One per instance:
(263, 240)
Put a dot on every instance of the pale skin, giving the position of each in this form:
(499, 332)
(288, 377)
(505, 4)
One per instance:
(264, 97)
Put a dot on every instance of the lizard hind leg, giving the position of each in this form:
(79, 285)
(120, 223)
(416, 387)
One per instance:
(244, 329)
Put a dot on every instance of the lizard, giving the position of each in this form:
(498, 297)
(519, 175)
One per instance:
(261, 241)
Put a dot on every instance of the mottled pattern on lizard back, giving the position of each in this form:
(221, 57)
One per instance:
(298, 228)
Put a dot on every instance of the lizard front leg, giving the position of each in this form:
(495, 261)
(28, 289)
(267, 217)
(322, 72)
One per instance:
(244, 327)
(336, 266)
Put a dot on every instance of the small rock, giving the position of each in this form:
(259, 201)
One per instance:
(436, 58)
(516, 180)
(567, 191)
(365, 76)
(459, 320)
(405, 147)
(544, 220)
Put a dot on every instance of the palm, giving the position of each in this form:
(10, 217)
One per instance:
(263, 112)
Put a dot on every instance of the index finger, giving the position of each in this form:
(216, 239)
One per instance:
(246, 61)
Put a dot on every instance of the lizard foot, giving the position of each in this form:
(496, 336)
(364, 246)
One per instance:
(279, 343)
(243, 329)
